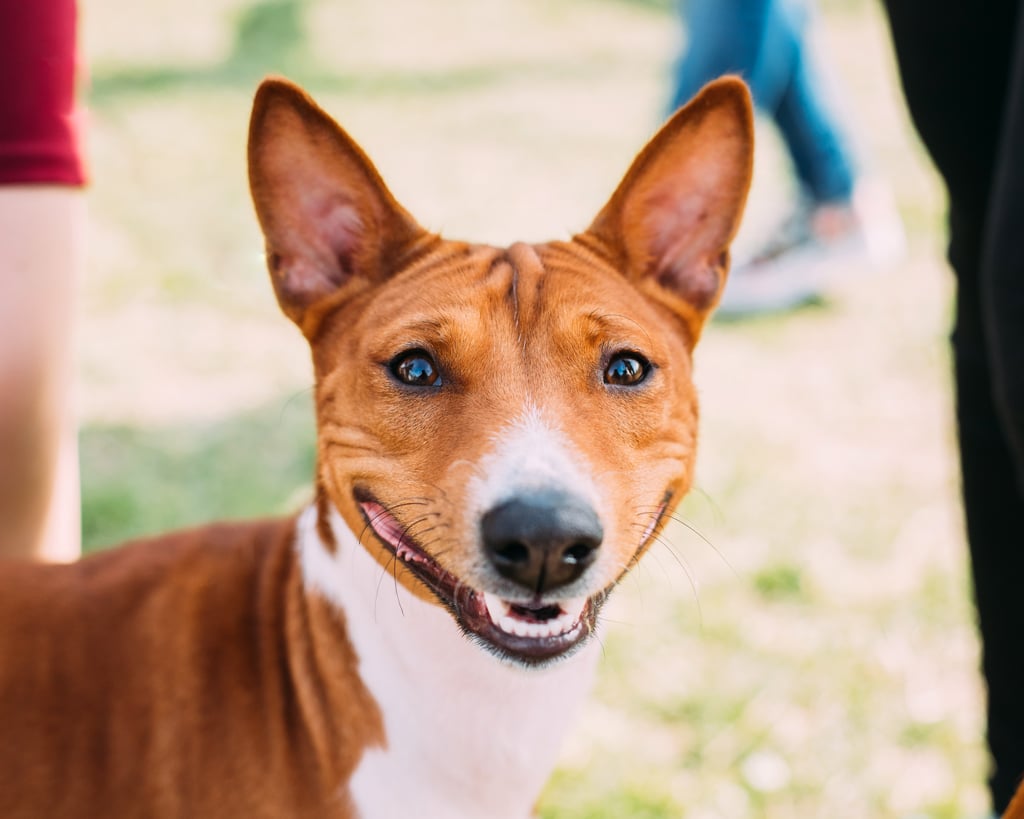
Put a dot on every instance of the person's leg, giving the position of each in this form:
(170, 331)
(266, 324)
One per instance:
(787, 84)
(837, 226)
(40, 256)
(994, 512)
(808, 126)
(763, 41)
(999, 568)
(1003, 262)
(722, 37)
(955, 64)
(41, 224)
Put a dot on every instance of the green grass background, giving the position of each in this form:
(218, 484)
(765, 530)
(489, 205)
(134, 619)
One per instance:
(811, 652)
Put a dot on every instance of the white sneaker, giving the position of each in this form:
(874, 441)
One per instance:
(814, 247)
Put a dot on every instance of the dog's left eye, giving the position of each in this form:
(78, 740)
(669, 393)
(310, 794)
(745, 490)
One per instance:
(626, 369)
(416, 368)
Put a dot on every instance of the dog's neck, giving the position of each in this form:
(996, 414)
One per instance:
(464, 730)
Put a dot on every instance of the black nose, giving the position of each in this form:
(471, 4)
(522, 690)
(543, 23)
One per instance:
(542, 540)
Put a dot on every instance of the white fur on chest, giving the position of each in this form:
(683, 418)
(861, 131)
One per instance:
(468, 736)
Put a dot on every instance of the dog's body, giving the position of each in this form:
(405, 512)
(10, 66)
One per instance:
(256, 701)
(501, 435)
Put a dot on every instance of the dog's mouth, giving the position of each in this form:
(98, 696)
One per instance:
(531, 632)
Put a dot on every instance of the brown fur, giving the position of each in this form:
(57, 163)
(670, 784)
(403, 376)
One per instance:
(189, 677)
(193, 675)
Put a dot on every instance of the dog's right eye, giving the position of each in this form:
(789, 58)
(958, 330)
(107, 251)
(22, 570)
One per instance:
(626, 370)
(416, 368)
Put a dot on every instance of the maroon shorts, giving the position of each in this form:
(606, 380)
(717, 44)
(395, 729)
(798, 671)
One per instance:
(39, 122)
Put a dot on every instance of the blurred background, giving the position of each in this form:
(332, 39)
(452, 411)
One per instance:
(802, 645)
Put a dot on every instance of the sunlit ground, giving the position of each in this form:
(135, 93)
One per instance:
(804, 646)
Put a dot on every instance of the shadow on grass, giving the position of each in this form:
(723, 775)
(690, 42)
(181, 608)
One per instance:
(142, 480)
(270, 38)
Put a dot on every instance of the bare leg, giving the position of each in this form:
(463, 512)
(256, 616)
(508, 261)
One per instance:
(41, 255)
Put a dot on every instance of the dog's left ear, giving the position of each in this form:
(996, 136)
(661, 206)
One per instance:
(327, 216)
(671, 220)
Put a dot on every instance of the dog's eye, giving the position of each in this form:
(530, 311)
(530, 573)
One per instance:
(626, 369)
(416, 368)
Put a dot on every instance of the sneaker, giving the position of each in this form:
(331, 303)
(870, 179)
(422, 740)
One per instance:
(817, 245)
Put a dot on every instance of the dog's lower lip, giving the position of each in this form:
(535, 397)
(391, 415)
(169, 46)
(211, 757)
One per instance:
(530, 642)
(532, 632)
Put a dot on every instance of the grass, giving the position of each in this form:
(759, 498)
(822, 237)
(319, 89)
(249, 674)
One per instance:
(143, 479)
(811, 653)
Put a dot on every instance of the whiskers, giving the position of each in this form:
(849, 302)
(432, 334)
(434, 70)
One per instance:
(648, 516)
(424, 531)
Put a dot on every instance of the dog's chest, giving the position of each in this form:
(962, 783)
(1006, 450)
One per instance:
(466, 735)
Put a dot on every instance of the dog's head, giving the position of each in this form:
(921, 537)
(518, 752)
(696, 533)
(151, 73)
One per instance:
(507, 427)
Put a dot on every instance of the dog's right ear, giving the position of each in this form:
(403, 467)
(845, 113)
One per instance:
(669, 224)
(326, 214)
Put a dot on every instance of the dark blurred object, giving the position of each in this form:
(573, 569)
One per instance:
(962, 67)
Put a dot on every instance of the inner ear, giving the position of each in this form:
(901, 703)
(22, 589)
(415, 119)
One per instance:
(680, 226)
(672, 218)
(326, 214)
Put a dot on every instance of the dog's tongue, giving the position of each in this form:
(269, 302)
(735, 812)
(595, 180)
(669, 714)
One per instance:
(383, 523)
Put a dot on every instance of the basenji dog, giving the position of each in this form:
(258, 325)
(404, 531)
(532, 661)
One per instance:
(502, 433)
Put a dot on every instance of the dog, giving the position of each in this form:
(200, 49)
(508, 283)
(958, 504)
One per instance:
(501, 434)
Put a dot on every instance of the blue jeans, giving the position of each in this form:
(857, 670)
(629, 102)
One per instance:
(762, 40)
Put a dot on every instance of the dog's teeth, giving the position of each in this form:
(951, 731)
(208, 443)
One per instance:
(501, 616)
(508, 624)
(532, 630)
(498, 609)
(572, 608)
(562, 624)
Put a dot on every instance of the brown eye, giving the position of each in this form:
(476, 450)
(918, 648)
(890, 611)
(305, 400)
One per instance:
(626, 370)
(416, 368)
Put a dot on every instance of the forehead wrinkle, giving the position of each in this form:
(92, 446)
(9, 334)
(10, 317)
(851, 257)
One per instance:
(598, 289)
(502, 268)
(514, 287)
(428, 326)
(613, 324)
(449, 328)
(529, 274)
(443, 307)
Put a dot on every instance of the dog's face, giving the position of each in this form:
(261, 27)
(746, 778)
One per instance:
(505, 429)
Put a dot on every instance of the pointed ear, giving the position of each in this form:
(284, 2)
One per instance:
(671, 220)
(326, 214)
